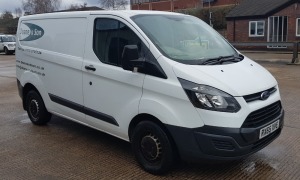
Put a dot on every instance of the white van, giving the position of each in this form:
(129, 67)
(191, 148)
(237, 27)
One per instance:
(7, 44)
(166, 82)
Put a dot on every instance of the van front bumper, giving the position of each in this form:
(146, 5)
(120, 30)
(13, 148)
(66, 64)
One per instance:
(219, 143)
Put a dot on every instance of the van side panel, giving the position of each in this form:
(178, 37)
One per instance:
(53, 49)
(63, 35)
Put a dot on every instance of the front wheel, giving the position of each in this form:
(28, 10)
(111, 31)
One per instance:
(152, 148)
(36, 109)
(6, 51)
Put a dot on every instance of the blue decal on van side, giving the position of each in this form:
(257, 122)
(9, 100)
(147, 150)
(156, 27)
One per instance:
(35, 32)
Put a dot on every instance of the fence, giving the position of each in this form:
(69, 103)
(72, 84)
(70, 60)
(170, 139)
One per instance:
(294, 45)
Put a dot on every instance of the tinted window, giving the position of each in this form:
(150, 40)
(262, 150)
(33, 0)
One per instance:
(110, 37)
(8, 39)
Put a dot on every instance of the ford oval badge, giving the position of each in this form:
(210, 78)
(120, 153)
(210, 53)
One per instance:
(264, 95)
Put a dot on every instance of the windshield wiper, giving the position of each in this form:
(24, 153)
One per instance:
(222, 59)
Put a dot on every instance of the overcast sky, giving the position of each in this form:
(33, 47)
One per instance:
(10, 5)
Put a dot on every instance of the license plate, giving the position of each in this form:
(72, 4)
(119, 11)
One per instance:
(268, 129)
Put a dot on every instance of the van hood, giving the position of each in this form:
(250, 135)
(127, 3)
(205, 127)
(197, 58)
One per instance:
(238, 79)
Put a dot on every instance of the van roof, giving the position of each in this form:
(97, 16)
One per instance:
(6, 35)
(126, 13)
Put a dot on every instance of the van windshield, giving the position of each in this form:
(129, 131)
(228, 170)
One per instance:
(185, 39)
(8, 39)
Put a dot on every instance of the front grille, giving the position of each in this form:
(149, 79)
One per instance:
(257, 96)
(263, 115)
(223, 145)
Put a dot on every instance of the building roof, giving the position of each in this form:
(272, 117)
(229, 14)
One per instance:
(258, 8)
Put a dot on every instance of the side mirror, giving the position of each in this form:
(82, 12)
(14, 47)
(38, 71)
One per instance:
(130, 58)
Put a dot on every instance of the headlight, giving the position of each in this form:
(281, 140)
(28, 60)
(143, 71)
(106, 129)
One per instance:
(209, 98)
(11, 45)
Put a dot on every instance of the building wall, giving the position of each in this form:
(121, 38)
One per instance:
(241, 31)
(167, 5)
(186, 4)
(293, 12)
(222, 2)
(242, 26)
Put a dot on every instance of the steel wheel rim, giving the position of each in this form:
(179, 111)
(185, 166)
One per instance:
(151, 148)
(34, 109)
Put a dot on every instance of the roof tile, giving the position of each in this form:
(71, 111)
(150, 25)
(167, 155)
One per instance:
(249, 8)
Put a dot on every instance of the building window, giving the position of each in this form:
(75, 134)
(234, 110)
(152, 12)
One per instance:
(298, 27)
(256, 28)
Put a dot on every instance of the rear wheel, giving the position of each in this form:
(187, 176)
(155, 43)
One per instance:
(152, 148)
(36, 109)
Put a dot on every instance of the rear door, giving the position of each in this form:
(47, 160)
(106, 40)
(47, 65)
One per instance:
(111, 94)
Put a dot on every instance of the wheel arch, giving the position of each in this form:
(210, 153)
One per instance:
(148, 117)
(31, 81)
(27, 88)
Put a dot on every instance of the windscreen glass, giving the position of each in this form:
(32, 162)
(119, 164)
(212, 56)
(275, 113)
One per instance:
(185, 39)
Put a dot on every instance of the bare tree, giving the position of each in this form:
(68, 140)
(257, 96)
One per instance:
(18, 12)
(113, 4)
(84, 5)
(76, 6)
(73, 7)
(40, 6)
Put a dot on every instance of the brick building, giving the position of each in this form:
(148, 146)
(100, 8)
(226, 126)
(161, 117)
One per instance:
(173, 5)
(264, 21)
(206, 3)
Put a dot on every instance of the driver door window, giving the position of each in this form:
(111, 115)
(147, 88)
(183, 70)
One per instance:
(110, 37)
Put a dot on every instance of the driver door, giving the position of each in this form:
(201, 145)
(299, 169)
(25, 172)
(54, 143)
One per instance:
(111, 94)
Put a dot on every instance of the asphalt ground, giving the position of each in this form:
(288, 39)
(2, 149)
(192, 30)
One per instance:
(67, 150)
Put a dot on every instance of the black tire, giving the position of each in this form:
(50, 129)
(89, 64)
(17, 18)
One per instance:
(6, 51)
(152, 148)
(36, 109)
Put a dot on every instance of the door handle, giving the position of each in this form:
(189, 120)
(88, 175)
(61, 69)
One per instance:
(90, 68)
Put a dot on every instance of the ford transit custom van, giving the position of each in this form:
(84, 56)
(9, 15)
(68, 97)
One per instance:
(165, 82)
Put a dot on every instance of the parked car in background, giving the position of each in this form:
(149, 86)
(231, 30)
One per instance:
(7, 44)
